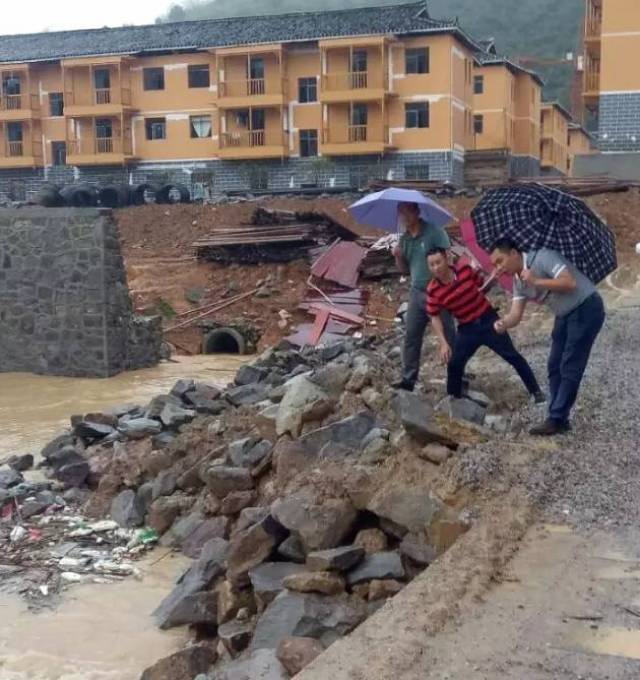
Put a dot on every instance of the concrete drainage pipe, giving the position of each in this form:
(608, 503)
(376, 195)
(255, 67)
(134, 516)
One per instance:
(224, 341)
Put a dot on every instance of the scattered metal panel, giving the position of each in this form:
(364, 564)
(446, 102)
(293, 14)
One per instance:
(340, 264)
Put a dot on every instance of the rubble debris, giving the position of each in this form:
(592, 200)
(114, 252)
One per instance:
(183, 665)
(296, 653)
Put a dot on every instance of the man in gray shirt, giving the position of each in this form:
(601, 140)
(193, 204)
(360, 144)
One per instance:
(546, 276)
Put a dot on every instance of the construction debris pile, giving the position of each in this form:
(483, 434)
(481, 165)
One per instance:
(272, 236)
(302, 492)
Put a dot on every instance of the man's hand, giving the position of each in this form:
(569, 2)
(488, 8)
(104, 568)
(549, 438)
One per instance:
(529, 278)
(500, 327)
(445, 352)
(397, 252)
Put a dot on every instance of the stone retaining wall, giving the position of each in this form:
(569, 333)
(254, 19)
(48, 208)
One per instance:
(64, 301)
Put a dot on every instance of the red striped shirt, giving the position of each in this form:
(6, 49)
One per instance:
(462, 296)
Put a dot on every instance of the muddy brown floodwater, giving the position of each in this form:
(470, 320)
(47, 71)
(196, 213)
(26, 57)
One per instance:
(34, 408)
(100, 631)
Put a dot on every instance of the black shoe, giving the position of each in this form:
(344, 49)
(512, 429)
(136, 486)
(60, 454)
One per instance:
(402, 385)
(539, 397)
(549, 428)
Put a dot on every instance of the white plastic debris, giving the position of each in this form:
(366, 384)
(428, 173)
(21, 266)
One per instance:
(637, 248)
(104, 525)
(44, 590)
(71, 577)
(114, 568)
(18, 534)
(80, 533)
(71, 563)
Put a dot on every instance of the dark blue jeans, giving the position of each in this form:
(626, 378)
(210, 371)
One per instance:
(572, 339)
(416, 324)
(479, 333)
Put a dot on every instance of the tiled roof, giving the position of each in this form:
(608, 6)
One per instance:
(193, 35)
(493, 59)
(559, 107)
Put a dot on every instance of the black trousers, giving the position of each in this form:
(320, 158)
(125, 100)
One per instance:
(481, 333)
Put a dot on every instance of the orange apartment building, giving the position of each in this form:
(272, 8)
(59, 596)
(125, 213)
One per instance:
(611, 87)
(507, 100)
(279, 102)
(554, 146)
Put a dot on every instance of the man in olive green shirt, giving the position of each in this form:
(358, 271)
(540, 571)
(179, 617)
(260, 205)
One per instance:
(411, 256)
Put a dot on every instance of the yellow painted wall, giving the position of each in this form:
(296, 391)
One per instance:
(495, 105)
(527, 116)
(555, 139)
(579, 144)
(302, 63)
(620, 46)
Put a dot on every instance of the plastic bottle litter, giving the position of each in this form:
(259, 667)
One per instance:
(18, 534)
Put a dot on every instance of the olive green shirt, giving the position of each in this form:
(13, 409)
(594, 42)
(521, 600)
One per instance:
(416, 249)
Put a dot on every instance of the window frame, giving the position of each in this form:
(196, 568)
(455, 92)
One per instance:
(192, 128)
(417, 109)
(148, 128)
(57, 97)
(478, 124)
(307, 84)
(412, 53)
(147, 73)
(478, 84)
(410, 174)
(307, 142)
(193, 70)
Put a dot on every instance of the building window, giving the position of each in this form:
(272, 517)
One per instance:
(11, 85)
(156, 128)
(14, 132)
(104, 128)
(478, 85)
(416, 171)
(153, 78)
(359, 61)
(417, 60)
(417, 115)
(199, 75)
(200, 126)
(58, 153)
(308, 143)
(307, 90)
(56, 104)
(102, 79)
(478, 125)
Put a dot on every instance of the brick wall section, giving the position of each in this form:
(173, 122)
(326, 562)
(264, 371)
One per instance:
(619, 122)
(64, 302)
(220, 176)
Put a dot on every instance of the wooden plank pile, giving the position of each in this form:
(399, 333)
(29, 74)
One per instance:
(272, 236)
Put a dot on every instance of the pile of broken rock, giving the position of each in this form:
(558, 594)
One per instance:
(302, 493)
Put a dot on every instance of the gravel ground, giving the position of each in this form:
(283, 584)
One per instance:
(590, 477)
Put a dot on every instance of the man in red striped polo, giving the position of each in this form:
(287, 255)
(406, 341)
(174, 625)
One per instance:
(458, 290)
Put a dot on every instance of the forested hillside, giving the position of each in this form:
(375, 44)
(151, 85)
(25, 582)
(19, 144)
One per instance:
(544, 29)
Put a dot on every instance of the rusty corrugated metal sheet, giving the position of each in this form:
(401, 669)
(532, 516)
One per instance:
(340, 263)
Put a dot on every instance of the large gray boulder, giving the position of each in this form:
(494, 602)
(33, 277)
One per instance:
(190, 601)
(418, 418)
(127, 509)
(183, 665)
(267, 579)
(222, 480)
(9, 477)
(260, 665)
(139, 428)
(300, 393)
(412, 508)
(319, 526)
(384, 565)
(348, 432)
(307, 615)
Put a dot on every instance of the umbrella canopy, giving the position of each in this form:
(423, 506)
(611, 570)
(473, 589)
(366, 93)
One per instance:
(534, 216)
(468, 231)
(380, 210)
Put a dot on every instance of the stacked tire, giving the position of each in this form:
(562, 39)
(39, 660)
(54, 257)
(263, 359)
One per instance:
(111, 195)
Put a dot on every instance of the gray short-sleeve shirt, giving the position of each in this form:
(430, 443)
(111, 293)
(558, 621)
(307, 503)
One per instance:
(549, 264)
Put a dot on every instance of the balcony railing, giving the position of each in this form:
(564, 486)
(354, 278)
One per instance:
(99, 97)
(356, 134)
(15, 149)
(251, 87)
(592, 81)
(97, 146)
(250, 139)
(17, 102)
(593, 28)
(354, 80)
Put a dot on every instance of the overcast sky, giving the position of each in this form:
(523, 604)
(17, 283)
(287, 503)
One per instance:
(33, 16)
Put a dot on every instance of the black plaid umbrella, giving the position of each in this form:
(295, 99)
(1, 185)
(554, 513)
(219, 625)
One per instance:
(535, 216)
